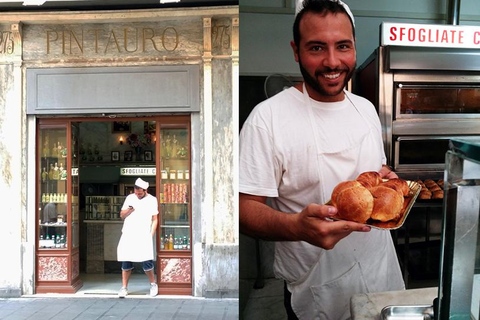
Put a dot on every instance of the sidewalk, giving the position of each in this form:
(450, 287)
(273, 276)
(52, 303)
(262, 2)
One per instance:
(65, 307)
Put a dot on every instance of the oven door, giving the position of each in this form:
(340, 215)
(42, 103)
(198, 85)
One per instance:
(437, 101)
(422, 153)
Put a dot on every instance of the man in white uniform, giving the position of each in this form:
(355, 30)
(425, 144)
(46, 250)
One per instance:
(294, 149)
(139, 212)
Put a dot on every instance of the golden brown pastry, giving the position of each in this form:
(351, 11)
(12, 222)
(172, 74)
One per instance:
(355, 204)
(369, 179)
(387, 203)
(430, 183)
(342, 186)
(437, 195)
(398, 184)
(420, 182)
(434, 188)
(425, 194)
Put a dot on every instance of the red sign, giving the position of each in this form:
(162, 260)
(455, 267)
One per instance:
(430, 35)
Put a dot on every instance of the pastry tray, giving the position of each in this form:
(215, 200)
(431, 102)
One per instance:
(415, 188)
(422, 312)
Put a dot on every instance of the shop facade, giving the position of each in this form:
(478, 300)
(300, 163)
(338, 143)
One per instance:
(89, 101)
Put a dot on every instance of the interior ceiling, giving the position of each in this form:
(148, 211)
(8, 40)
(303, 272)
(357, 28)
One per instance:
(80, 5)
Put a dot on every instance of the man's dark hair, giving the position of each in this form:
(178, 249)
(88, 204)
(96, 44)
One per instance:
(321, 7)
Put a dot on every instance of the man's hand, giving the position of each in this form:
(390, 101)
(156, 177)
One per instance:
(314, 227)
(387, 173)
(311, 225)
(125, 213)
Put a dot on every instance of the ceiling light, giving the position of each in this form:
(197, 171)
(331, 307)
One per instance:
(168, 1)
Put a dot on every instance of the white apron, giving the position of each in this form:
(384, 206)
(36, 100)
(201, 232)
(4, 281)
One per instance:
(136, 242)
(135, 247)
(359, 263)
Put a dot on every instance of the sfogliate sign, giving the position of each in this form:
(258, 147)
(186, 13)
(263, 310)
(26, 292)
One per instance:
(430, 35)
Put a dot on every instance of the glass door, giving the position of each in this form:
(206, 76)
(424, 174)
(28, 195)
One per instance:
(57, 213)
(174, 257)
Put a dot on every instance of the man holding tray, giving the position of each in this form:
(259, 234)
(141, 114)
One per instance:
(294, 149)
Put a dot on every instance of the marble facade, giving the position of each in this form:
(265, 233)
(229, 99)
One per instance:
(207, 37)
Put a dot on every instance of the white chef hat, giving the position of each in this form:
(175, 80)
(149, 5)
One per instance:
(299, 7)
(142, 184)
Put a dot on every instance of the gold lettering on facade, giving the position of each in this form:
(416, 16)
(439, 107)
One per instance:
(112, 35)
(79, 43)
(49, 39)
(95, 33)
(125, 40)
(165, 37)
(221, 36)
(98, 41)
(148, 37)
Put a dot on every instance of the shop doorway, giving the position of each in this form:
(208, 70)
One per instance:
(105, 147)
(109, 155)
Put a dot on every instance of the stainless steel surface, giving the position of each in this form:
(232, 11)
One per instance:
(435, 78)
(454, 61)
(431, 166)
(385, 100)
(421, 312)
(395, 68)
(453, 12)
(438, 126)
(460, 234)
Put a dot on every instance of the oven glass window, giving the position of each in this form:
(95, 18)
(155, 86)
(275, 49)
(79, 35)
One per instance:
(423, 151)
(440, 100)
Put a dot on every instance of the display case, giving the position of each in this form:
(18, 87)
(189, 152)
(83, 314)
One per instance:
(57, 254)
(459, 288)
(103, 207)
(175, 210)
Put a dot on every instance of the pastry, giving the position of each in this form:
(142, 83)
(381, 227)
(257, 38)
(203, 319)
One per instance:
(387, 203)
(398, 184)
(355, 203)
(369, 179)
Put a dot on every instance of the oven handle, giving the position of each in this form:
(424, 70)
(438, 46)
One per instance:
(435, 86)
(420, 137)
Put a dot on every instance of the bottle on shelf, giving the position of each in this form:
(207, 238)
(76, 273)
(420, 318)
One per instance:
(50, 172)
(57, 241)
(184, 245)
(44, 175)
(54, 150)
(56, 174)
(162, 244)
(170, 242)
(59, 150)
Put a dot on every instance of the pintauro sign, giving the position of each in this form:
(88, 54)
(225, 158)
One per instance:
(430, 35)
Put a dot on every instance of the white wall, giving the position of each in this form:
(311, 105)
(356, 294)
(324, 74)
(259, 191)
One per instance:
(266, 28)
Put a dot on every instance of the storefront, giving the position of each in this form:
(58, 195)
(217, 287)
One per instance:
(92, 100)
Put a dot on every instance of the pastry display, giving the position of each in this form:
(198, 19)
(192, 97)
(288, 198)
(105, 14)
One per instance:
(370, 199)
(431, 189)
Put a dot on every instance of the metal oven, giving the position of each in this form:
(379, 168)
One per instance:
(424, 98)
